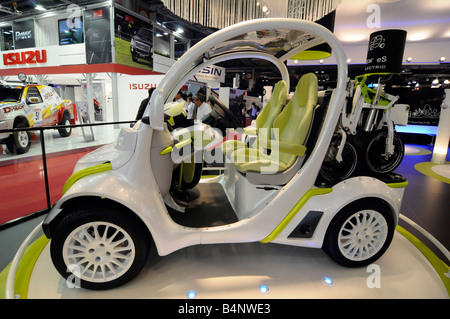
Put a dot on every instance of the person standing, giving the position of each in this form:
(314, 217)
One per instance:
(201, 108)
(179, 97)
(143, 105)
(189, 108)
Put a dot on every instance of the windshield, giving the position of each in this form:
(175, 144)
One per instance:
(10, 93)
(145, 33)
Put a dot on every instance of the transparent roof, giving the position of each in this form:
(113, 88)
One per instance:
(277, 42)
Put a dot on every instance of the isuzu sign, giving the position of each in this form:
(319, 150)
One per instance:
(25, 57)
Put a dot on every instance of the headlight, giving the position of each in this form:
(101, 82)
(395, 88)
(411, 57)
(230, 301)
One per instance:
(132, 43)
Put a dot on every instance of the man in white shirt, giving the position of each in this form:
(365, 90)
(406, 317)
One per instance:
(202, 108)
(179, 97)
(189, 108)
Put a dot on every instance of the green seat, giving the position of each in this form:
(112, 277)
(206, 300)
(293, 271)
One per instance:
(265, 119)
(290, 129)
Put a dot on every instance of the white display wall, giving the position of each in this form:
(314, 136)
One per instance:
(132, 90)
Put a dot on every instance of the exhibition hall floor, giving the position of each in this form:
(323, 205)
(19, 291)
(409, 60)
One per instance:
(408, 270)
(235, 271)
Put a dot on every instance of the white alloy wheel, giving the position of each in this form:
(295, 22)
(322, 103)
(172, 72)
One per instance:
(68, 129)
(99, 251)
(362, 235)
(22, 139)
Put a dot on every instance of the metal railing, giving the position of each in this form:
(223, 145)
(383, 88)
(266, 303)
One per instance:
(41, 131)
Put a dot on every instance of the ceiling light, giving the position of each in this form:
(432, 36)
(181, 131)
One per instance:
(179, 30)
(418, 36)
(40, 8)
(409, 59)
(435, 81)
(442, 58)
(446, 82)
(349, 60)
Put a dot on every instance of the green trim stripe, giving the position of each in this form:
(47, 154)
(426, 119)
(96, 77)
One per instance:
(440, 267)
(426, 169)
(167, 150)
(85, 172)
(294, 211)
(398, 185)
(25, 269)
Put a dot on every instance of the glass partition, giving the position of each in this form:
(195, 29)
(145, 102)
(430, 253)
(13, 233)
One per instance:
(32, 182)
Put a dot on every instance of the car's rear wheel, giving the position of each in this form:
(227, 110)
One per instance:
(99, 248)
(65, 121)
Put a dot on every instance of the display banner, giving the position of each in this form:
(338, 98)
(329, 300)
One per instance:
(133, 89)
(23, 34)
(385, 52)
(424, 104)
(33, 57)
(211, 73)
(97, 36)
(133, 40)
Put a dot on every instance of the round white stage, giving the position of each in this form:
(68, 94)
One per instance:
(235, 271)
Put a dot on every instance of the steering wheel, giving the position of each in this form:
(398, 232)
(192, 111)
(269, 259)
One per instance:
(221, 112)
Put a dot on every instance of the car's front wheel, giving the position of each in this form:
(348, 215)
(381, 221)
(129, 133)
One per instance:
(99, 248)
(360, 233)
(19, 142)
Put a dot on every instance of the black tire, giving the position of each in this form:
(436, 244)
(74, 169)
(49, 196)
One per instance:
(374, 157)
(19, 142)
(333, 171)
(351, 243)
(134, 56)
(89, 230)
(65, 132)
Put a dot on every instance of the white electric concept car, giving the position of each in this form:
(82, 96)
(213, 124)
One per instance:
(122, 199)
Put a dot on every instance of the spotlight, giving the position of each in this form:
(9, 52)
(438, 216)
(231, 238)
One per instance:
(191, 294)
(263, 289)
(349, 60)
(327, 280)
(409, 59)
(442, 58)
(435, 81)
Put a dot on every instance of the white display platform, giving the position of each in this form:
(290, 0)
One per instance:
(234, 271)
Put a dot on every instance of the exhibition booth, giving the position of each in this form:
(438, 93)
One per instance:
(294, 186)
